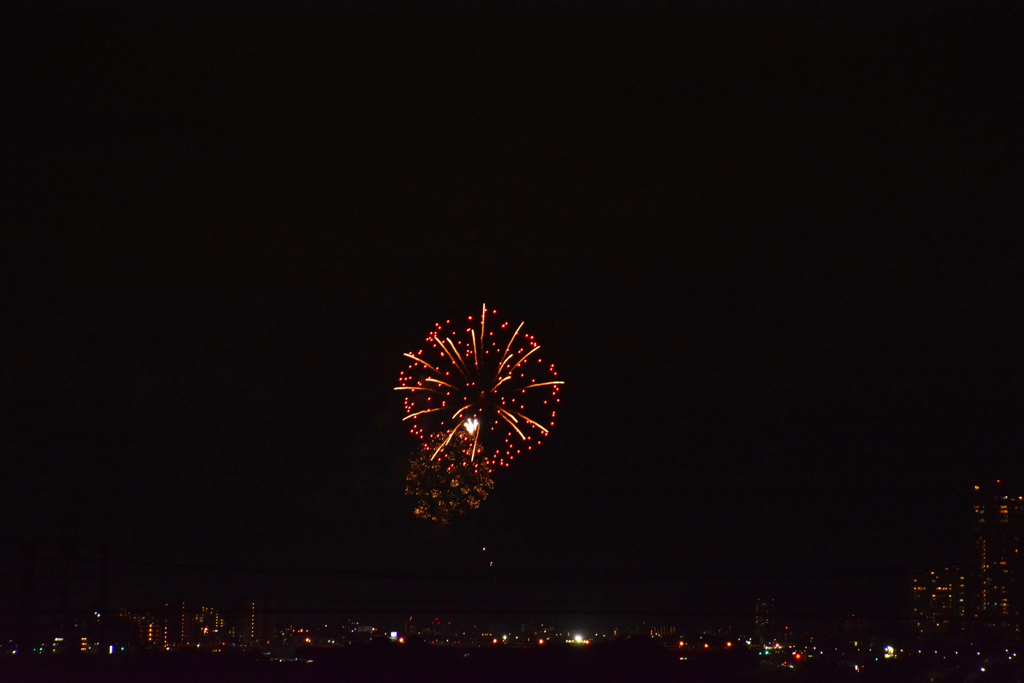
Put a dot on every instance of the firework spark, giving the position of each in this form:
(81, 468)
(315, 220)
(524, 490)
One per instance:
(482, 383)
(450, 483)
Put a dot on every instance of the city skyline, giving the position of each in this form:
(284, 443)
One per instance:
(51, 584)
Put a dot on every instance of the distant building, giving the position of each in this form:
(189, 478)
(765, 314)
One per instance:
(996, 569)
(261, 622)
(147, 631)
(764, 621)
(939, 601)
(210, 627)
(644, 629)
(179, 627)
(154, 634)
(662, 632)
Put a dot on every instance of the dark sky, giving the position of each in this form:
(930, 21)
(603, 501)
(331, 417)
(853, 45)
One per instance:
(776, 255)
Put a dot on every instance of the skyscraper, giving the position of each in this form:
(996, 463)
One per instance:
(261, 622)
(996, 576)
(179, 627)
(764, 622)
(939, 600)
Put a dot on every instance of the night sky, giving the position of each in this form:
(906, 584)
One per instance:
(776, 255)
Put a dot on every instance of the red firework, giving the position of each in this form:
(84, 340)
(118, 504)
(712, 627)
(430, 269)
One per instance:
(488, 380)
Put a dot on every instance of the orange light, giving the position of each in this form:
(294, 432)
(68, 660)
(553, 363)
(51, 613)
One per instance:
(540, 642)
(796, 656)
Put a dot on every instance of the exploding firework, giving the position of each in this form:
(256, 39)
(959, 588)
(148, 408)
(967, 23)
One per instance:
(448, 483)
(487, 382)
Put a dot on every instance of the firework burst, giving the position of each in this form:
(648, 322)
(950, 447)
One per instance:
(450, 484)
(486, 382)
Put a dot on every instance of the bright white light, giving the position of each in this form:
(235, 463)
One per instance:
(394, 635)
(578, 638)
(471, 424)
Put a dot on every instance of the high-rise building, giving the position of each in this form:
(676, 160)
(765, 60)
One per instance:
(148, 630)
(996, 560)
(261, 622)
(180, 624)
(764, 621)
(155, 634)
(939, 600)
